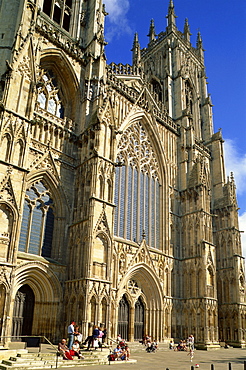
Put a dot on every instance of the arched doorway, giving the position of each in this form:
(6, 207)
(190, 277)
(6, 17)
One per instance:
(123, 318)
(139, 320)
(23, 312)
(141, 281)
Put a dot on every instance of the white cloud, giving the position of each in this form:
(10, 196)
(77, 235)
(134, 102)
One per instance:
(117, 18)
(236, 163)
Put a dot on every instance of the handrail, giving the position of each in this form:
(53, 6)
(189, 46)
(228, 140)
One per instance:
(112, 340)
(30, 336)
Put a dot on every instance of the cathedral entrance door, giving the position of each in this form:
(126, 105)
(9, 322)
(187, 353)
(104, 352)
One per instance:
(123, 318)
(23, 312)
(139, 320)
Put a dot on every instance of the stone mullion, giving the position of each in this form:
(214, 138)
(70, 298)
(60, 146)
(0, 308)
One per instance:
(131, 324)
(126, 202)
(29, 227)
(158, 322)
(44, 214)
(138, 206)
(155, 323)
(132, 205)
(119, 197)
(150, 209)
(147, 321)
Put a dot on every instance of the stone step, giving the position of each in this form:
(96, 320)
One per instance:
(27, 363)
(31, 361)
(44, 365)
(17, 345)
(25, 360)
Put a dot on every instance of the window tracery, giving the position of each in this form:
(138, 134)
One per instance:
(49, 94)
(37, 221)
(133, 288)
(137, 192)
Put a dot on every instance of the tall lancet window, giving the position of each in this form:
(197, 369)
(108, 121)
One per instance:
(137, 188)
(37, 221)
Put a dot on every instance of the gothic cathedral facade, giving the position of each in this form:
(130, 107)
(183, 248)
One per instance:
(114, 205)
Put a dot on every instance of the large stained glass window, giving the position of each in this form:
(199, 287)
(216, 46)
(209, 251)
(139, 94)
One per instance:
(137, 188)
(37, 221)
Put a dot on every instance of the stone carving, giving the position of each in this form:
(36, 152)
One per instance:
(133, 288)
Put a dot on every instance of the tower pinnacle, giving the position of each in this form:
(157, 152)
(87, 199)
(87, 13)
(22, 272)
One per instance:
(171, 23)
(187, 33)
(136, 56)
(152, 33)
(199, 45)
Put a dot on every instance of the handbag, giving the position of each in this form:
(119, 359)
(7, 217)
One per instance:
(111, 357)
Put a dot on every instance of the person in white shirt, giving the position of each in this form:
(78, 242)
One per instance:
(76, 350)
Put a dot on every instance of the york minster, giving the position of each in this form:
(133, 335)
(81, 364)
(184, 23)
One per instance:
(114, 205)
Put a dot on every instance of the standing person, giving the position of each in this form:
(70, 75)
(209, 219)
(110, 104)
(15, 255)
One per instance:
(70, 332)
(100, 336)
(191, 354)
(190, 342)
(88, 340)
(95, 332)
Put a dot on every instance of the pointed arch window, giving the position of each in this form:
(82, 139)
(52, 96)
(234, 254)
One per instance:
(37, 221)
(18, 152)
(157, 90)
(137, 189)
(6, 145)
(104, 311)
(60, 11)
(49, 94)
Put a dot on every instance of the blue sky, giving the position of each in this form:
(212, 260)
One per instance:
(223, 29)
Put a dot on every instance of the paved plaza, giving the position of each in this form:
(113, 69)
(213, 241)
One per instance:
(166, 359)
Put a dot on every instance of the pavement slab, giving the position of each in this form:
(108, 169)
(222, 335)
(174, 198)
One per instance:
(167, 359)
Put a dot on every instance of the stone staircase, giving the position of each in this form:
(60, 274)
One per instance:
(24, 361)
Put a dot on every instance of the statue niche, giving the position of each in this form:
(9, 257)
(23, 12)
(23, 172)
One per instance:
(6, 225)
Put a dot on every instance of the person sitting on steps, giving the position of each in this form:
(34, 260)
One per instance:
(75, 351)
(64, 350)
